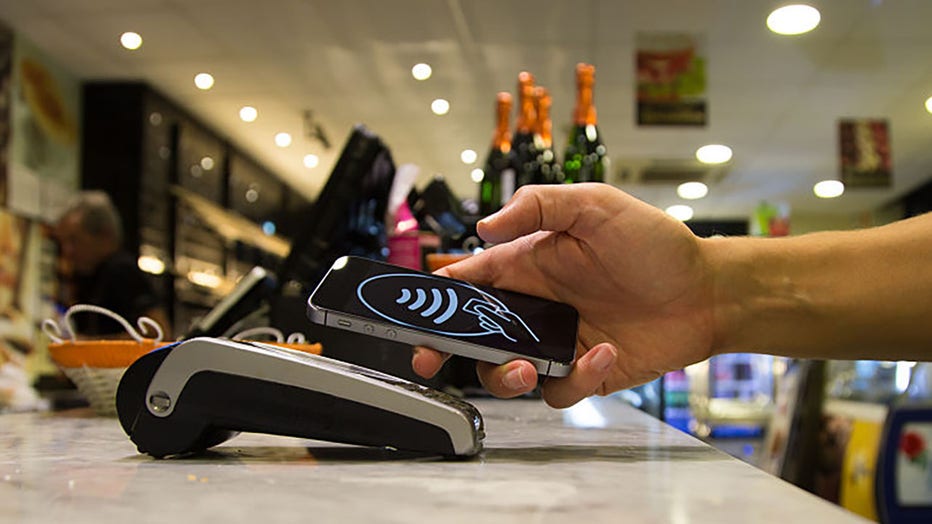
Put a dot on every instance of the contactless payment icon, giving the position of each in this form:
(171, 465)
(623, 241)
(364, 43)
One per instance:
(441, 306)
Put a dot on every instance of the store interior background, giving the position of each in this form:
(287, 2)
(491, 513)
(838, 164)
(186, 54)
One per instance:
(775, 100)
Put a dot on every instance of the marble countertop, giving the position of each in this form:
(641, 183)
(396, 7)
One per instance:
(601, 461)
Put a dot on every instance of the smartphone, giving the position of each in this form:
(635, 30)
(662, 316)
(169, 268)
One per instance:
(454, 316)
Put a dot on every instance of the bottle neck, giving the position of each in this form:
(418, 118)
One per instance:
(501, 139)
(527, 116)
(544, 124)
(585, 114)
(585, 107)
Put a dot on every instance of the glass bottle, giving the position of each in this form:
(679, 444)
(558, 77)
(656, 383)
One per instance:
(523, 143)
(498, 179)
(585, 159)
(548, 170)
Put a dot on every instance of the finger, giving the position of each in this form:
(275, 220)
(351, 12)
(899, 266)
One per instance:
(427, 362)
(546, 208)
(492, 313)
(586, 379)
(507, 380)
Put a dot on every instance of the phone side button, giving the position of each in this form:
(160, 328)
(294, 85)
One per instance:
(368, 328)
(391, 333)
(344, 323)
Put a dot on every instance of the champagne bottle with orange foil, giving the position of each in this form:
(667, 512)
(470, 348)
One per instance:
(523, 143)
(548, 170)
(499, 173)
(585, 159)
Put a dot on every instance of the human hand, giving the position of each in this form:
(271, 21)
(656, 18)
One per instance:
(637, 277)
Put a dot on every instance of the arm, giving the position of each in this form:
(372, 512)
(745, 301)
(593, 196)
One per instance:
(835, 295)
(653, 297)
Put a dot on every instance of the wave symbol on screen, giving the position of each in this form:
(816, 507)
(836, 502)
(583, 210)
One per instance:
(432, 305)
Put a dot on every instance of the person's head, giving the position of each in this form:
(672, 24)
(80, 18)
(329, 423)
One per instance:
(89, 230)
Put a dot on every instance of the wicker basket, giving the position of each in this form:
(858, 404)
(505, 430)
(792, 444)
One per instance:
(96, 366)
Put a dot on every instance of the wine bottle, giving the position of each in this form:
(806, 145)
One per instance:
(498, 179)
(548, 170)
(523, 143)
(585, 159)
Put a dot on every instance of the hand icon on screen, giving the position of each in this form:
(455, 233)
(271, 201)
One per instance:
(498, 319)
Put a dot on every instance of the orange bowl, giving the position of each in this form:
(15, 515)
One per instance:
(101, 353)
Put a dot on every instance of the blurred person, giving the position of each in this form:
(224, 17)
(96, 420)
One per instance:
(98, 271)
(653, 297)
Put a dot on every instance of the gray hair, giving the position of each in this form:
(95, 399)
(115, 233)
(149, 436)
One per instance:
(98, 214)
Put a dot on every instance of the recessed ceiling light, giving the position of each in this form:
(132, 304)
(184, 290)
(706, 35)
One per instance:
(692, 190)
(680, 212)
(468, 156)
(204, 81)
(248, 114)
(131, 40)
(207, 163)
(929, 104)
(440, 107)
(793, 19)
(829, 189)
(713, 154)
(311, 161)
(477, 175)
(283, 140)
(421, 71)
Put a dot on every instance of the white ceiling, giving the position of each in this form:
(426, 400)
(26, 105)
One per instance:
(774, 100)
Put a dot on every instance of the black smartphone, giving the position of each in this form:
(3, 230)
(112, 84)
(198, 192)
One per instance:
(454, 316)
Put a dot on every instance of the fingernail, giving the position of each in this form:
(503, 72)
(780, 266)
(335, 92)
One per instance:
(514, 380)
(603, 359)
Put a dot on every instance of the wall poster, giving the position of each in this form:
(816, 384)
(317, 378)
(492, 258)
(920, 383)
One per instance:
(45, 127)
(864, 150)
(671, 80)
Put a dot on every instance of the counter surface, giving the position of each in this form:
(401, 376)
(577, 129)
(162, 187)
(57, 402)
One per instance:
(597, 462)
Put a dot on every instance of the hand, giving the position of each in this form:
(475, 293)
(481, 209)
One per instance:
(501, 321)
(637, 276)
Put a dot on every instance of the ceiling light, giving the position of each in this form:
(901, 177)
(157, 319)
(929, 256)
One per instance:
(204, 81)
(248, 114)
(828, 189)
(477, 175)
(151, 264)
(311, 161)
(131, 40)
(692, 190)
(680, 212)
(793, 19)
(929, 104)
(440, 107)
(468, 156)
(713, 154)
(283, 140)
(421, 71)
(207, 163)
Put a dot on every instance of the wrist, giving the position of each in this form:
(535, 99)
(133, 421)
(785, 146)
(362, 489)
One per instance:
(756, 298)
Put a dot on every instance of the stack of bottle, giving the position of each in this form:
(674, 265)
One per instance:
(527, 156)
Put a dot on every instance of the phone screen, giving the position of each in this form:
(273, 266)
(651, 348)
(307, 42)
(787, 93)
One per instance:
(446, 307)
